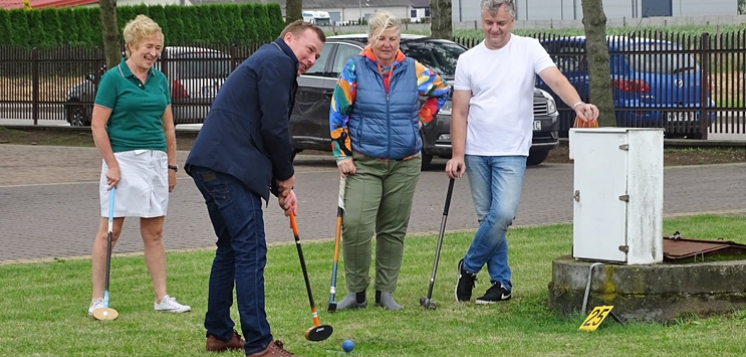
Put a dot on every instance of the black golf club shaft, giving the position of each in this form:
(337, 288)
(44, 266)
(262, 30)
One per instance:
(337, 238)
(440, 238)
(294, 226)
(108, 259)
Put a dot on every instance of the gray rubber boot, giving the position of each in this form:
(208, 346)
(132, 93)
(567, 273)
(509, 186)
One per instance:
(353, 301)
(386, 300)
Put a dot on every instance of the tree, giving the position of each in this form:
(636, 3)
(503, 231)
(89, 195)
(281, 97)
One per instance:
(110, 32)
(293, 11)
(441, 24)
(70, 35)
(36, 29)
(274, 11)
(27, 4)
(5, 28)
(52, 27)
(20, 32)
(599, 76)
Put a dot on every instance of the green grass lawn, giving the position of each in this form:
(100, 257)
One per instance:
(43, 307)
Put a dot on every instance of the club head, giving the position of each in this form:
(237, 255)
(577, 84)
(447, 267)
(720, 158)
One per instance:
(428, 304)
(105, 313)
(319, 333)
(332, 307)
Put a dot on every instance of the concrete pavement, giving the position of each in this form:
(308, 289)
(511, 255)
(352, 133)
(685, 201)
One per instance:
(49, 201)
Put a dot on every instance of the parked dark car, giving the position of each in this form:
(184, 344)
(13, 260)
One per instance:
(194, 74)
(656, 83)
(309, 122)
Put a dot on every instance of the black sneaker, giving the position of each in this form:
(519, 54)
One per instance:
(465, 284)
(497, 292)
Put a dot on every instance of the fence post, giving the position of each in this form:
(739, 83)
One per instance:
(704, 78)
(234, 54)
(35, 84)
(164, 65)
(97, 64)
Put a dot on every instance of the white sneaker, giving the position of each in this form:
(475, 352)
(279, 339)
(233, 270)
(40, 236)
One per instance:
(95, 304)
(170, 304)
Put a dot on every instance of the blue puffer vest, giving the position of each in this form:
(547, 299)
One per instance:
(385, 125)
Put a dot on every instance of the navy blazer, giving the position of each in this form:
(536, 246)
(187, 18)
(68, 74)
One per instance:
(246, 132)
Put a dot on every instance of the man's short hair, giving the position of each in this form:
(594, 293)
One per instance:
(298, 27)
(493, 5)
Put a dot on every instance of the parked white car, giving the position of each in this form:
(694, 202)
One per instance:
(195, 75)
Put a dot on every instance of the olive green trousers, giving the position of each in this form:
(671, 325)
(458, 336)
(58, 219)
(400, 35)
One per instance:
(378, 202)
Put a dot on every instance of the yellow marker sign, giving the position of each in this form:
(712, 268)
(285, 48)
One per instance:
(595, 318)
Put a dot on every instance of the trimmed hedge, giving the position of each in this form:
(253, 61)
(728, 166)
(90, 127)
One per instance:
(219, 24)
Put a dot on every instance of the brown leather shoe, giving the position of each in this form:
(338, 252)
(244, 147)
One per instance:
(274, 349)
(215, 345)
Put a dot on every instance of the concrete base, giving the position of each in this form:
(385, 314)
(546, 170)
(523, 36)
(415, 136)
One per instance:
(649, 293)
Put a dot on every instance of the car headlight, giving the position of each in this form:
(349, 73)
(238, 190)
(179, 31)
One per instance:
(551, 104)
(447, 108)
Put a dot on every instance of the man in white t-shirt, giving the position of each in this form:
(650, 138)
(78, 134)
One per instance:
(491, 131)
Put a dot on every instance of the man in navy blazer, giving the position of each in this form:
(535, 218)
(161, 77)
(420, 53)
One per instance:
(243, 152)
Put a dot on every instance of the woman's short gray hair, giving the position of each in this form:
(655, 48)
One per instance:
(139, 29)
(493, 5)
(380, 22)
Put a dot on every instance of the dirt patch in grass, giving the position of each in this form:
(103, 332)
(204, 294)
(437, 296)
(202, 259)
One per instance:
(78, 138)
(52, 89)
(184, 141)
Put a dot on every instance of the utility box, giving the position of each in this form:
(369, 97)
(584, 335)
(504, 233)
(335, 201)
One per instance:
(618, 194)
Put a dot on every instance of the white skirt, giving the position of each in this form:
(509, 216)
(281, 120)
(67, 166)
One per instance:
(142, 190)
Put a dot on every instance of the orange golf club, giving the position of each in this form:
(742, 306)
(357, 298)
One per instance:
(337, 240)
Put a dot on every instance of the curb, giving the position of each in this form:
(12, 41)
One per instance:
(192, 133)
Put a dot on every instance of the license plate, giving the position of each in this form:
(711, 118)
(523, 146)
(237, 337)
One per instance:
(537, 125)
(682, 116)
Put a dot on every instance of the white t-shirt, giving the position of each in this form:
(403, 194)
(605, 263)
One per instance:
(500, 121)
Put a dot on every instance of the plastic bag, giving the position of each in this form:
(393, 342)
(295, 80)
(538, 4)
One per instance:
(580, 123)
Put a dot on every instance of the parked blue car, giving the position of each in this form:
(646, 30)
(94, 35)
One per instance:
(656, 83)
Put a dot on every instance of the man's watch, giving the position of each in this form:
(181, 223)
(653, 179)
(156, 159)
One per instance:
(578, 104)
(174, 167)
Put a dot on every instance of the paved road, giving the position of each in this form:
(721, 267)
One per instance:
(49, 201)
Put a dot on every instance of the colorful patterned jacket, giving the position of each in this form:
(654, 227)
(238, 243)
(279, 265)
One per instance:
(370, 127)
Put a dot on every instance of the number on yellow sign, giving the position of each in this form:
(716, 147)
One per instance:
(595, 318)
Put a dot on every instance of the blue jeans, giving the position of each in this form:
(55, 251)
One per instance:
(236, 215)
(495, 189)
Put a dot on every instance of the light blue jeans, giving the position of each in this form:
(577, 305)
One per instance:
(495, 189)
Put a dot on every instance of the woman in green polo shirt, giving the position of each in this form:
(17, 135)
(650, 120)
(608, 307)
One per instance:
(133, 130)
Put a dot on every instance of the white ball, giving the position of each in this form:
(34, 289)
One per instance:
(106, 313)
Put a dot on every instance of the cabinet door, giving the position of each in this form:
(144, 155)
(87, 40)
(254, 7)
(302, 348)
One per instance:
(599, 216)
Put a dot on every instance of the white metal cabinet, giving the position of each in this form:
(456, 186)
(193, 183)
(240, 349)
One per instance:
(618, 194)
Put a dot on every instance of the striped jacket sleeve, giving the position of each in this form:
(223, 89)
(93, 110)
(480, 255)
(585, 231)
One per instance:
(339, 113)
(431, 85)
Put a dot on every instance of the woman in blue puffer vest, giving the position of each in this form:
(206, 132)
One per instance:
(375, 119)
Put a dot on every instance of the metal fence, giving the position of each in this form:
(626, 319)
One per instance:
(660, 79)
(47, 86)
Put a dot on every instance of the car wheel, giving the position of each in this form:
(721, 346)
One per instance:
(76, 116)
(536, 157)
(426, 161)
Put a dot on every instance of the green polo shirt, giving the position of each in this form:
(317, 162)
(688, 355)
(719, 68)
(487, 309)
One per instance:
(136, 121)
